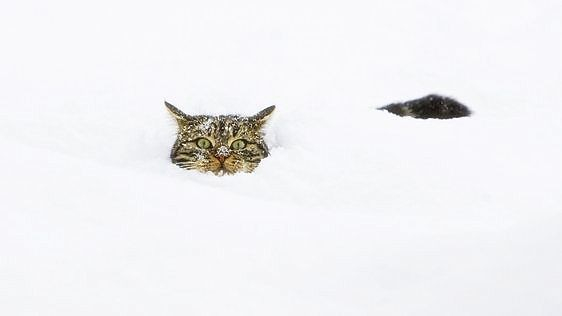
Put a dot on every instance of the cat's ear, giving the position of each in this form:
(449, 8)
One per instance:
(176, 113)
(263, 116)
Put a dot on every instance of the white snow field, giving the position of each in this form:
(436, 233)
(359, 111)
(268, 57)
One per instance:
(356, 212)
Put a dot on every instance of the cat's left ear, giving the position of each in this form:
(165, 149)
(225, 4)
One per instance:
(263, 116)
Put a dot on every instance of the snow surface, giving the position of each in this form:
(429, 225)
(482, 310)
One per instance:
(356, 211)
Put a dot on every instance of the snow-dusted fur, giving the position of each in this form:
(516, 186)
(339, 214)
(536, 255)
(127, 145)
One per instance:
(222, 144)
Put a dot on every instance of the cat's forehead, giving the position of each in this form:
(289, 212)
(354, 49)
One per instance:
(219, 126)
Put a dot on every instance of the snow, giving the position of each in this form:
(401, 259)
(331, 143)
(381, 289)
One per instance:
(356, 211)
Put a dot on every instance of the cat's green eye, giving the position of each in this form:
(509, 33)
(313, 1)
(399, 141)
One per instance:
(203, 143)
(238, 144)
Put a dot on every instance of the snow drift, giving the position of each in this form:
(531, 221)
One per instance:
(356, 211)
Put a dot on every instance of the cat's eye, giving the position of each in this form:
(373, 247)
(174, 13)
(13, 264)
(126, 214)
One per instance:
(203, 143)
(238, 144)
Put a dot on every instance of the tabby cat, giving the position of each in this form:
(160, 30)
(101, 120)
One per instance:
(224, 144)
(431, 106)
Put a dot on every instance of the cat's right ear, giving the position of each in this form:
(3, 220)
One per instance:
(176, 113)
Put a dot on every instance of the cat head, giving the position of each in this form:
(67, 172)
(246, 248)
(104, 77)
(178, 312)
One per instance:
(224, 144)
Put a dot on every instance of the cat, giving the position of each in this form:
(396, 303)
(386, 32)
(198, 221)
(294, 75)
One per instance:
(431, 106)
(224, 144)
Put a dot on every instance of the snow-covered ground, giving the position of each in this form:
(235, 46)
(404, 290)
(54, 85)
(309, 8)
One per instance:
(356, 211)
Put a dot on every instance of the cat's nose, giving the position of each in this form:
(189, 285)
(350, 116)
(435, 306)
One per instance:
(222, 153)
